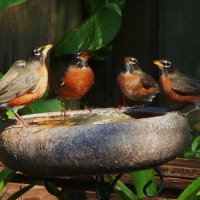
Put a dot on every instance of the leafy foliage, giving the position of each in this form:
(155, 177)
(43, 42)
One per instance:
(193, 148)
(7, 3)
(191, 191)
(5, 175)
(92, 6)
(95, 33)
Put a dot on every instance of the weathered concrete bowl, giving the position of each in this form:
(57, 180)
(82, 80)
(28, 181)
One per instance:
(103, 141)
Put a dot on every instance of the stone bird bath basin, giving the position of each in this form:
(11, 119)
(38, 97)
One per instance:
(103, 141)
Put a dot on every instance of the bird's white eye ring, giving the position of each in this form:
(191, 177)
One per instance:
(134, 61)
(168, 64)
(36, 52)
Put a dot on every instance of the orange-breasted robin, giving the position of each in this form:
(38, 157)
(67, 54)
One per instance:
(136, 84)
(177, 87)
(28, 85)
(75, 81)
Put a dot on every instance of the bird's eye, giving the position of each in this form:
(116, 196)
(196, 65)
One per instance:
(77, 55)
(36, 52)
(168, 64)
(134, 61)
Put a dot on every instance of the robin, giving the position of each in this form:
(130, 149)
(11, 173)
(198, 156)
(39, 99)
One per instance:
(177, 87)
(12, 73)
(136, 84)
(28, 85)
(75, 81)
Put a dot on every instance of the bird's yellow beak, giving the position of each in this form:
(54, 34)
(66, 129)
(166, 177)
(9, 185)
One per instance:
(126, 59)
(47, 47)
(157, 62)
(85, 55)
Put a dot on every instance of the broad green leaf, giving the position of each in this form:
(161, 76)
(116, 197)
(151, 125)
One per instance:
(191, 191)
(121, 189)
(141, 178)
(196, 144)
(96, 32)
(187, 154)
(20, 192)
(7, 3)
(92, 6)
(10, 113)
(5, 175)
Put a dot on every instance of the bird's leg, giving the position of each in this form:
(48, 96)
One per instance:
(64, 109)
(197, 106)
(85, 105)
(19, 118)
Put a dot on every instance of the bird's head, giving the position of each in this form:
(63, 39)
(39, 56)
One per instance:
(166, 67)
(131, 65)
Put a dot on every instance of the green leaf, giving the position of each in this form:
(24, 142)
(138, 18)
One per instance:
(196, 144)
(96, 32)
(5, 175)
(1, 75)
(187, 154)
(141, 178)
(92, 6)
(10, 113)
(197, 155)
(191, 191)
(121, 189)
(7, 3)
(55, 190)
(102, 53)
(20, 192)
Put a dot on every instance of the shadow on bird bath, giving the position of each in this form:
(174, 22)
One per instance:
(103, 141)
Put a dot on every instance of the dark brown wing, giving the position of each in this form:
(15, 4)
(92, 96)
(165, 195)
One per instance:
(148, 81)
(187, 86)
(12, 73)
(24, 83)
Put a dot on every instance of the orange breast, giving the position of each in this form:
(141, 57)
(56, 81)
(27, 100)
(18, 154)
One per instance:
(28, 98)
(165, 85)
(132, 87)
(77, 83)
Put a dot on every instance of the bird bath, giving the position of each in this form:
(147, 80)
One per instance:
(103, 141)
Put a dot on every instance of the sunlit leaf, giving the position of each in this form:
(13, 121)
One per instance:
(92, 6)
(5, 175)
(196, 144)
(10, 113)
(96, 32)
(7, 3)
(191, 191)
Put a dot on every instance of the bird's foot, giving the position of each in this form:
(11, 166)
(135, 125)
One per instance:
(86, 107)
